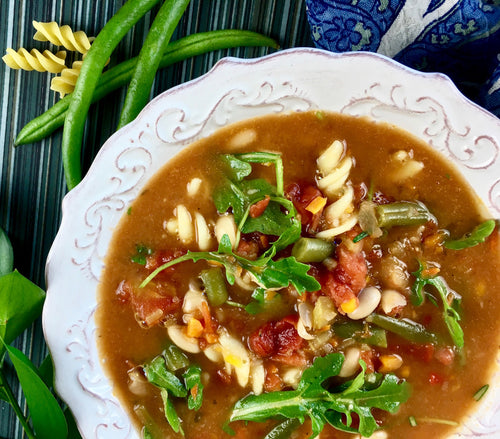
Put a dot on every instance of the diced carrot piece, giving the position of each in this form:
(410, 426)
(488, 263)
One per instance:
(194, 328)
(316, 205)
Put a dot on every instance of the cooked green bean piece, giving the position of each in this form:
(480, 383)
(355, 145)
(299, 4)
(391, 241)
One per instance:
(312, 250)
(402, 213)
(405, 328)
(149, 58)
(175, 359)
(215, 286)
(357, 330)
(283, 430)
(118, 76)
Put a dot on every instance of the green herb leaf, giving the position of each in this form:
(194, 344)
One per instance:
(481, 392)
(158, 374)
(450, 312)
(313, 400)
(21, 303)
(141, 253)
(475, 237)
(274, 274)
(235, 168)
(192, 378)
(46, 414)
(6, 254)
(170, 412)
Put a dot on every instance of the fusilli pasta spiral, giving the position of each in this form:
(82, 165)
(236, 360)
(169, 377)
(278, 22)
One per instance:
(190, 229)
(334, 168)
(62, 36)
(65, 82)
(35, 60)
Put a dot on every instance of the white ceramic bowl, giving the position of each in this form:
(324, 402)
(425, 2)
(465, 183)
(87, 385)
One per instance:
(427, 105)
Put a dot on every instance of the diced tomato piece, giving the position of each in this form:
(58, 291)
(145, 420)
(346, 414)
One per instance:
(301, 195)
(435, 378)
(347, 279)
(150, 304)
(161, 257)
(252, 245)
(275, 338)
(272, 382)
(248, 250)
(259, 207)
(445, 355)
(124, 292)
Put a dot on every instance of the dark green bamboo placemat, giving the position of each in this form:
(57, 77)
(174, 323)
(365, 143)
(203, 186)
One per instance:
(31, 176)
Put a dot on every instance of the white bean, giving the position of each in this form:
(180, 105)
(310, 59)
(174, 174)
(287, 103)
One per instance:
(351, 362)
(391, 299)
(369, 298)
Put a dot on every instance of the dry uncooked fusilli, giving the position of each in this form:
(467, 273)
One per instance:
(62, 36)
(35, 60)
(65, 82)
(334, 167)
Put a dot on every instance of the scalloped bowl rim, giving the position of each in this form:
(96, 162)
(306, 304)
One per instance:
(235, 89)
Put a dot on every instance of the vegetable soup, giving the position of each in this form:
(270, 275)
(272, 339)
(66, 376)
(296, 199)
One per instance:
(300, 275)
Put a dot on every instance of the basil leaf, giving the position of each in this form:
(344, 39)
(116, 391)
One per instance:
(192, 379)
(6, 254)
(158, 374)
(46, 414)
(475, 237)
(21, 303)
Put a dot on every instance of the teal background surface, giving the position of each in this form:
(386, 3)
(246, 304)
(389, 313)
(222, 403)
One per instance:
(31, 176)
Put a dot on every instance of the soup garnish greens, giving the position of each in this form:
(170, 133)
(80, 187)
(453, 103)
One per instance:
(302, 275)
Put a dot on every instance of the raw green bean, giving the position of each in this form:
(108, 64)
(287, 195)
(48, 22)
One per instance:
(405, 328)
(175, 359)
(149, 58)
(97, 57)
(312, 250)
(6, 254)
(215, 286)
(118, 76)
(360, 332)
(402, 213)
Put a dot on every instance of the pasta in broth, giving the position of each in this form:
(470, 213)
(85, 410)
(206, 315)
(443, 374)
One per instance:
(297, 274)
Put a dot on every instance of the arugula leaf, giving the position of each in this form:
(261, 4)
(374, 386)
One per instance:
(46, 415)
(450, 311)
(313, 400)
(21, 303)
(274, 274)
(158, 374)
(192, 379)
(170, 412)
(474, 237)
(239, 195)
(235, 168)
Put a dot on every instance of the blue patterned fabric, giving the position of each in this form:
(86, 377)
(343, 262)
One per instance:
(460, 38)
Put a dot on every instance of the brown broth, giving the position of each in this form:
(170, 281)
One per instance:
(473, 272)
